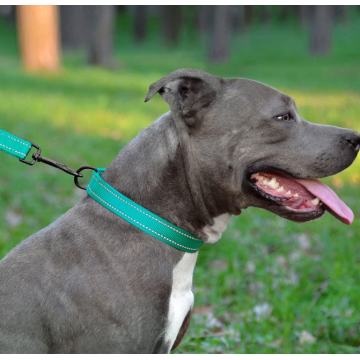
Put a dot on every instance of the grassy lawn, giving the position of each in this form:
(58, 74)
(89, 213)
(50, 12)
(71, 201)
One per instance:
(268, 281)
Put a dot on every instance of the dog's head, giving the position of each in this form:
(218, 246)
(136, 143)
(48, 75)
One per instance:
(254, 149)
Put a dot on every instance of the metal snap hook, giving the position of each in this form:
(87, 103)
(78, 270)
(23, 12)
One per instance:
(76, 181)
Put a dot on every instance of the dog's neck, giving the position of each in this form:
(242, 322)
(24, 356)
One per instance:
(150, 170)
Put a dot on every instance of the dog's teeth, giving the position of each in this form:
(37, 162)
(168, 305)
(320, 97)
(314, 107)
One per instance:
(273, 183)
(261, 178)
(315, 201)
(280, 189)
(288, 193)
(266, 182)
(296, 195)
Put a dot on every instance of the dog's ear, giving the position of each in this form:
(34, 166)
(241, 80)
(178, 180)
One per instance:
(187, 90)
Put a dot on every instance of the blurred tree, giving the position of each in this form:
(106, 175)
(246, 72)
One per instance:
(122, 9)
(204, 18)
(73, 26)
(9, 12)
(287, 12)
(248, 15)
(140, 22)
(341, 13)
(321, 32)
(101, 32)
(220, 39)
(238, 18)
(172, 21)
(38, 29)
(304, 14)
(266, 15)
(5, 10)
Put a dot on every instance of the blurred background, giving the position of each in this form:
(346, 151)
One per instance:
(73, 80)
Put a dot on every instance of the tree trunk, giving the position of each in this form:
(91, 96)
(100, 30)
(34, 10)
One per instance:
(38, 29)
(304, 15)
(341, 13)
(5, 10)
(321, 34)
(248, 15)
(238, 15)
(266, 15)
(140, 23)
(219, 50)
(285, 12)
(101, 30)
(204, 18)
(172, 19)
(73, 26)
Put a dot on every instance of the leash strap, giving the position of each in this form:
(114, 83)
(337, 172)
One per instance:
(107, 196)
(20, 148)
(140, 217)
(13, 145)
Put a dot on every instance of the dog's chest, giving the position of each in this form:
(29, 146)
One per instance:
(181, 298)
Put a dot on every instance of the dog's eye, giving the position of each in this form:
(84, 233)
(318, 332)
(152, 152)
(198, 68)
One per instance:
(285, 117)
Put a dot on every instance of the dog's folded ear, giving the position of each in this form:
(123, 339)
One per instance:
(189, 90)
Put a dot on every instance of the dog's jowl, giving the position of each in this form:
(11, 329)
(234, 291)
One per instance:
(93, 282)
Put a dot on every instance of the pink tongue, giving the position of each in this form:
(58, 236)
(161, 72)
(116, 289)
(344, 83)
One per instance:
(338, 208)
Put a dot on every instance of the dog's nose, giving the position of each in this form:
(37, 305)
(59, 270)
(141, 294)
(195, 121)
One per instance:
(354, 140)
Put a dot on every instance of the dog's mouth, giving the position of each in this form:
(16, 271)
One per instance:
(303, 199)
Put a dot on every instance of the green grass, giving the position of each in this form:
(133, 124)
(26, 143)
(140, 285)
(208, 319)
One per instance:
(305, 275)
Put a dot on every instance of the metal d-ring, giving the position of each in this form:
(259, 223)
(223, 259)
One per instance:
(76, 181)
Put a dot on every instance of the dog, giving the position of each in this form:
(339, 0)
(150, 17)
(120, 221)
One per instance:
(93, 283)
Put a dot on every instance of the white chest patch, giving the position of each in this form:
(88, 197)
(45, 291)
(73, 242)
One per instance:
(214, 232)
(181, 298)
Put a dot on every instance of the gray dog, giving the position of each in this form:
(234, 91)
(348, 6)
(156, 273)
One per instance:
(93, 283)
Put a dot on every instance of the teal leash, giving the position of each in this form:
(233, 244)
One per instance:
(14, 146)
(107, 196)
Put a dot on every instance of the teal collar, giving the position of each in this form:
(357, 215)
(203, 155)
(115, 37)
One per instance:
(140, 217)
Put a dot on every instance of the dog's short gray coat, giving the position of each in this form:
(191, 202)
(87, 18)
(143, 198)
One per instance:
(92, 283)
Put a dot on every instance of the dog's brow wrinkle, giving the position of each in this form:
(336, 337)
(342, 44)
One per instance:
(287, 99)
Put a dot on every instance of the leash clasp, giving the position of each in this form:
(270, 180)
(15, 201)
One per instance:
(38, 152)
(37, 157)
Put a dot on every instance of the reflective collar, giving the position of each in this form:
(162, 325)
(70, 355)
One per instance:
(140, 217)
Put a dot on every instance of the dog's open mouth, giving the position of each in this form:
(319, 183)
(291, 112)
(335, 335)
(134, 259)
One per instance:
(308, 198)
